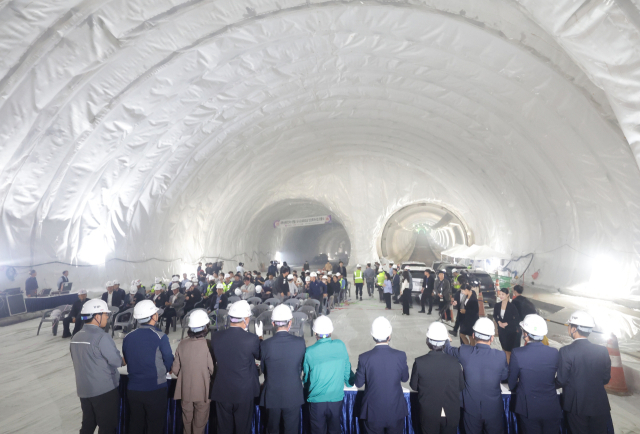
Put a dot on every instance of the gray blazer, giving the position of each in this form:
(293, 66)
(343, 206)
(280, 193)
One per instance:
(178, 303)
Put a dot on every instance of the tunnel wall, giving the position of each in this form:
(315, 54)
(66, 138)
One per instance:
(140, 130)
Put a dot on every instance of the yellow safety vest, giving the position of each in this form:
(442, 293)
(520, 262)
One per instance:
(456, 284)
(381, 278)
(210, 290)
(226, 286)
(357, 276)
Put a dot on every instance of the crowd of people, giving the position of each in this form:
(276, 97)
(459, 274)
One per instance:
(220, 371)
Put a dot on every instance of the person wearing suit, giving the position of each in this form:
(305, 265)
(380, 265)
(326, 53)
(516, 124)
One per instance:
(438, 379)
(583, 370)
(442, 294)
(281, 362)
(532, 374)
(174, 306)
(508, 320)
(382, 370)
(468, 313)
(111, 297)
(484, 369)
(395, 285)
(236, 384)
(159, 297)
(74, 315)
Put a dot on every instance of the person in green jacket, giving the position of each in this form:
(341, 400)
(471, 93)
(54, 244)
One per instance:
(326, 370)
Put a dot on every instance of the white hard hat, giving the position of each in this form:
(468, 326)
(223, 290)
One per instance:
(290, 277)
(192, 275)
(314, 274)
(307, 279)
(437, 332)
(158, 280)
(138, 282)
(358, 266)
(380, 329)
(108, 284)
(240, 309)
(175, 285)
(158, 287)
(454, 270)
(227, 276)
(338, 274)
(324, 277)
(395, 267)
(133, 289)
(144, 310)
(323, 326)
(258, 289)
(281, 312)
(210, 277)
(299, 280)
(116, 282)
(219, 286)
(187, 285)
(82, 292)
(535, 325)
(582, 320)
(175, 279)
(238, 292)
(329, 273)
(485, 327)
(198, 319)
(92, 307)
(194, 280)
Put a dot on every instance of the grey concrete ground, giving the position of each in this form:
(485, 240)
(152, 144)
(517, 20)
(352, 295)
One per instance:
(38, 387)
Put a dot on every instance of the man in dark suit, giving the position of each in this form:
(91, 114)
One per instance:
(382, 370)
(395, 284)
(236, 384)
(484, 369)
(438, 379)
(74, 315)
(111, 297)
(281, 362)
(159, 296)
(583, 370)
(532, 374)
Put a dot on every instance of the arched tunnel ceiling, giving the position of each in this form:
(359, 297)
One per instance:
(161, 129)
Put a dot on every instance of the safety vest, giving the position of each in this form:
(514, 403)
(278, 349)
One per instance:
(210, 289)
(226, 286)
(357, 276)
(381, 278)
(456, 284)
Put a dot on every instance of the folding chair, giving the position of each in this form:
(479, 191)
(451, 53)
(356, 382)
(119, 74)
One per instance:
(297, 326)
(272, 302)
(294, 303)
(265, 317)
(313, 302)
(114, 312)
(302, 296)
(53, 316)
(254, 301)
(221, 319)
(125, 320)
(311, 313)
(234, 298)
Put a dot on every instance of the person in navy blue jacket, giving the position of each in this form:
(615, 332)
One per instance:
(484, 369)
(148, 356)
(532, 374)
(382, 370)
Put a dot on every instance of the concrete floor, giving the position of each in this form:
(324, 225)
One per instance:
(38, 382)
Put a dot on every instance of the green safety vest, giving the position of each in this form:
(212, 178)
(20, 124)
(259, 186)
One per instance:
(381, 278)
(210, 290)
(357, 276)
(456, 284)
(226, 286)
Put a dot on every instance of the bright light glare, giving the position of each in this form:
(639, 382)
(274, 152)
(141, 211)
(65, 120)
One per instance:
(94, 248)
(278, 256)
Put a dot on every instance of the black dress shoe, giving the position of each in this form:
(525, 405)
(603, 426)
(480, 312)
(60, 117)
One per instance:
(421, 311)
(454, 333)
(429, 313)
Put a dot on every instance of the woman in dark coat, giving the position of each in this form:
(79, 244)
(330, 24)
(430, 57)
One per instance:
(470, 314)
(508, 319)
(406, 291)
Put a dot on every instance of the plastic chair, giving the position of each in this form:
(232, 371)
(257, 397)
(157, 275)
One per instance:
(234, 298)
(313, 302)
(125, 320)
(114, 312)
(297, 326)
(254, 301)
(265, 317)
(46, 316)
(311, 313)
(272, 302)
(221, 319)
(294, 303)
(185, 321)
(302, 296)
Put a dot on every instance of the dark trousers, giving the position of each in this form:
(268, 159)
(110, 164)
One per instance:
(234, 418)
(539, 426)
(437, 426)
(290, 420)
(359, 288)
(148, 409)
(100, 411)
(477, 425)
(396, 427)
(459, 317)
(319, 308)
(387, 299)
(443, 308)
(406, 301)
(370, 288)
(169, 314)
(380, 292)
(66, 326)
(587, 424)
(325, 417)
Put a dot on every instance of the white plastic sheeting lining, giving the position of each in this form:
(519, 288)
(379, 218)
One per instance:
(139, 136)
